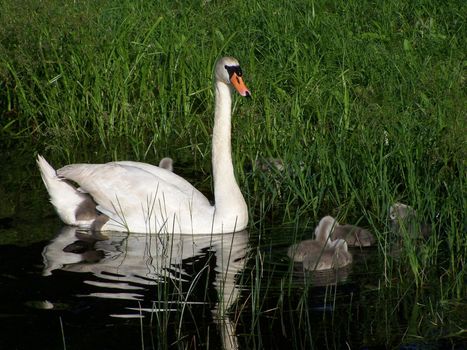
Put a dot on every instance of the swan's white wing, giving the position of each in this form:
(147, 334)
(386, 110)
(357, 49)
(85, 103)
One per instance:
(163, 174)
(131, 192)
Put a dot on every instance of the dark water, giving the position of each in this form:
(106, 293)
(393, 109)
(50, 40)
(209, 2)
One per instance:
(109, 294)
(62, 288)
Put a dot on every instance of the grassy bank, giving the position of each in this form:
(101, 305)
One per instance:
(363, 101)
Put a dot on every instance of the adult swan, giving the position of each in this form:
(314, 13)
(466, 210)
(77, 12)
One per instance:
(139, 197)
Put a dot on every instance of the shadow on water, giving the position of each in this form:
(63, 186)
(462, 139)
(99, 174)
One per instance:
(178, 287)
(82, 290)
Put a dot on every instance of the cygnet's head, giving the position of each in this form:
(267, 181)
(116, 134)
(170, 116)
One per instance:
(166, 163)
(229, 72)
(324, 229)
(400, 211)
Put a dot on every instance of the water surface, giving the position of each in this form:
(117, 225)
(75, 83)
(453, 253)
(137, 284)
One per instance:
(65, 288)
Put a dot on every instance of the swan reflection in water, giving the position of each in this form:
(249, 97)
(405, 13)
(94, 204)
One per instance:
(130, 267)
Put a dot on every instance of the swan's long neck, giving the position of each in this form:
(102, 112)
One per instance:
(228, 198)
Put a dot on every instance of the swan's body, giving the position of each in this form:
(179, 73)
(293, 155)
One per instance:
(139, 197)
(321, 253)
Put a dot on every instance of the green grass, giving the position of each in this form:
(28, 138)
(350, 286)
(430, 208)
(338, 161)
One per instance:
(364, 101)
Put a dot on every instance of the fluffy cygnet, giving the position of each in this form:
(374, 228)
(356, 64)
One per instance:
(321, 253)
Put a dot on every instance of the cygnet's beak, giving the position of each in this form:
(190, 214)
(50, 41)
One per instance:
(239, 85)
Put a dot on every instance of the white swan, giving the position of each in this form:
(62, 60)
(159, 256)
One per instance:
(139, 197)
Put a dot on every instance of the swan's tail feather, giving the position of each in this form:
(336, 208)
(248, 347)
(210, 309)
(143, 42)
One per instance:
(66, 199)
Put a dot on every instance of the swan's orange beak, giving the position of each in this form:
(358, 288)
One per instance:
(239, 85)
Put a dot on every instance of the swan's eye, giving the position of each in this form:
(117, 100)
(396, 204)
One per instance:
(233, 69)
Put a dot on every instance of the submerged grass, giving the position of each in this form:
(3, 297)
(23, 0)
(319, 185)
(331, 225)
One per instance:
(364, 102)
